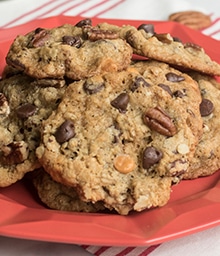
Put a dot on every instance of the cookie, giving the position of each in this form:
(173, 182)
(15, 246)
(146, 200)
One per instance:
(60, 197)
(180, 86)
(75, 52)
(163, 47)
(207, 155)
(23, 106)
(9, 71)
(117, 138)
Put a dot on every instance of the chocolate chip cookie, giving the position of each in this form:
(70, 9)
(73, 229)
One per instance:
(24, 104)
(166, 48)
(207, 155)
(60, 197)
(119, 139)
(75, 52)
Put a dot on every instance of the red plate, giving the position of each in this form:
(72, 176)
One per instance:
(194, 205)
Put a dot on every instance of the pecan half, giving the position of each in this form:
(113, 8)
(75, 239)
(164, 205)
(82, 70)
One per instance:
(157, 120)
(193, 19)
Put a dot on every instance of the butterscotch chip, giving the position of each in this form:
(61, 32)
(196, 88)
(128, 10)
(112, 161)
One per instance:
(124, 163)
(193, 19)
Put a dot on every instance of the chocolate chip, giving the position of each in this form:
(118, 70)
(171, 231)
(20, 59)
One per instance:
(172, 77)
(166, 88)
(15, 152)
(178, 94)
(72, 41)
(38, 30)
(138, 81)
(206, 107)
(40, 38)
(179, 164)
(148, 28)
(176, 39)
(26, 110)
(85, 22)
(119, 131)
(151, 156)
(56, 83)
(91, 87)
(121, 102)
(65, 132)
(15, 63)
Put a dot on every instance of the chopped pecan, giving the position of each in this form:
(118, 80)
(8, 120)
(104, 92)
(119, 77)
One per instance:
(4, 107)
(157, 120)
(14, 153)
(193, 19)
(94, 34)
(72, 41)
(193, 46)
(164, 38)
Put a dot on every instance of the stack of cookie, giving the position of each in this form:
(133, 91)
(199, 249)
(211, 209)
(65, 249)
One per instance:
(99, 129)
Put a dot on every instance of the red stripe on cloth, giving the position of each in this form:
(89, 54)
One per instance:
(101, 250)
(73, 6)
(26, 14)
(84, 246)
(214, 33)
(52, 9)
(149, 250)
(109, 8)
(121, 251)
(125, 251)
(215, 21)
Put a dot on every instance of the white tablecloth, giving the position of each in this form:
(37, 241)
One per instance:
(16, 12)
